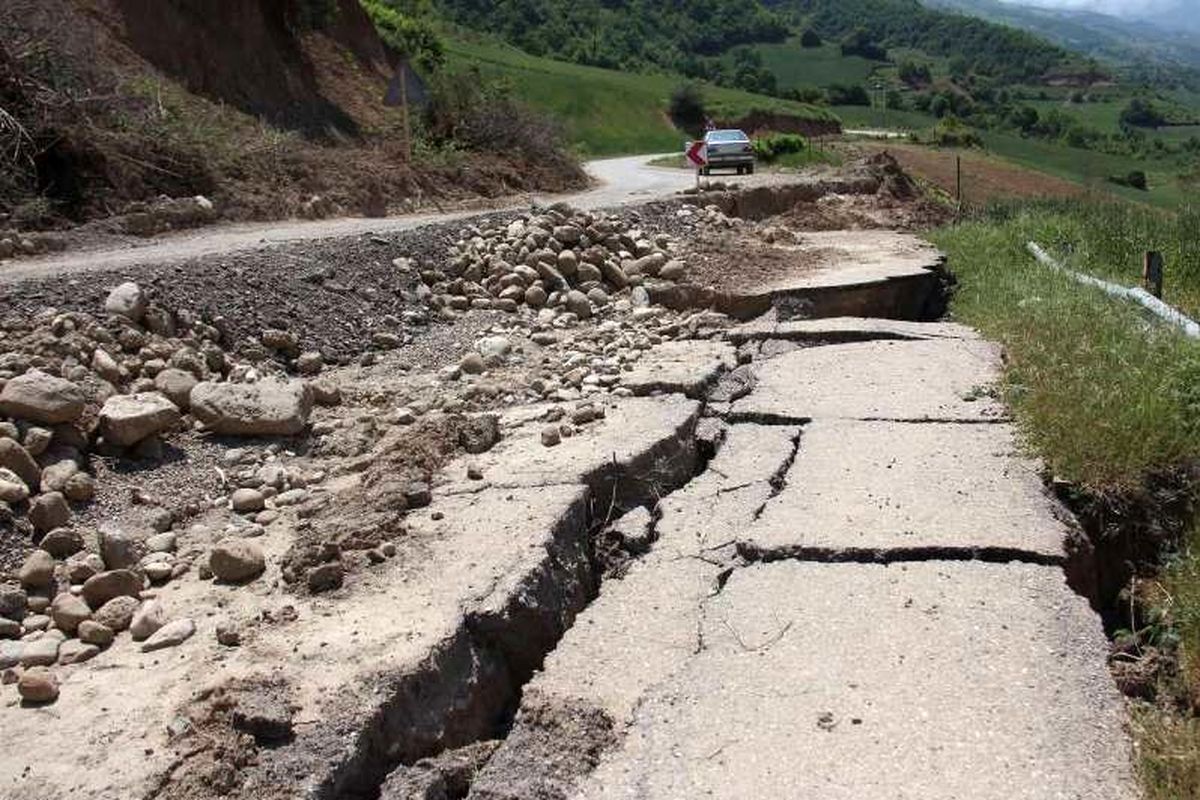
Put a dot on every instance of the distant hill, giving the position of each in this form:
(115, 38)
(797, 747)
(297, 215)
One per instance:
(1136, 43)
(690, 36)
(996, 51)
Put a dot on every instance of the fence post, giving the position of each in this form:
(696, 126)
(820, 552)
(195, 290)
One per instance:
(958, 181)
(1152, 273)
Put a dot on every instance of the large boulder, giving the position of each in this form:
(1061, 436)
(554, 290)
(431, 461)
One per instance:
(41, 397)
(266, 408)
(236, 560)
(99, 589)
(127, 300)
(126, 420)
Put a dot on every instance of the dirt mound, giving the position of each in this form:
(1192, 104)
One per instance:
(111, 102)
(247, 53)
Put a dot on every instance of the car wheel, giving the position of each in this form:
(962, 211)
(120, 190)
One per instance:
(750, 170)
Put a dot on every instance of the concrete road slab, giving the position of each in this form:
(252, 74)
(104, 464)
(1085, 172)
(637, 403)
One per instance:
(863, 257)
(923, 380)
(643, 628)
(928, 681)
(897, 488)
(633, 429)
(645, 622)
(840, 330)
(684, 367)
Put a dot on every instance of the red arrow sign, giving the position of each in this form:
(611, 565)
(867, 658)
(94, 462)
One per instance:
(698, 153)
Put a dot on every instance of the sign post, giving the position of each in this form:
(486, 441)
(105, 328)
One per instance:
(697, 154)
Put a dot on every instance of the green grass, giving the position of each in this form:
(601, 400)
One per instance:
(1107, 396)
(1104, 116)
(608, 112)
(1101, 393)
(1092, 168)
(892, 119)
(1168, 753)
(797, 67)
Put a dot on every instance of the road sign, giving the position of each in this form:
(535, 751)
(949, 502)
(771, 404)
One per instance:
(697, 153)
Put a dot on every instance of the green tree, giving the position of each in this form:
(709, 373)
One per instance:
(810, 38)
(687, 108)
(1141, 113)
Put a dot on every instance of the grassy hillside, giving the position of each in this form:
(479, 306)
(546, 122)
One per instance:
(797, 67)
(607, 112)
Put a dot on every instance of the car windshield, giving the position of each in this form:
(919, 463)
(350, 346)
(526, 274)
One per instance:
(726, 136)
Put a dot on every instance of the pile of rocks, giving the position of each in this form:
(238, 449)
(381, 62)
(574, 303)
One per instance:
(72, 384)
(70, 604)
(14, 244)
(569, 261)
(569, 362)
(166, 214)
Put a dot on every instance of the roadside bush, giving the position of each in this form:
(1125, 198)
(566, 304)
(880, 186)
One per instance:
(915, 75)
(810, 38)
(687, 108)
(951, 132)
(409, 34)
(860, 43)
(840, 95)
(806, 94)
(1134, 180)
(770, 148)
(465, 111)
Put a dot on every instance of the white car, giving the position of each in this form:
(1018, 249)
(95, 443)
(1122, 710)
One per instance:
(729, 149)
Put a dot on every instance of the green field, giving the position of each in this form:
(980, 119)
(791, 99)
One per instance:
(1105, 116)
(865, 117)
(607, 112)
(1091, 168)
(797, 67)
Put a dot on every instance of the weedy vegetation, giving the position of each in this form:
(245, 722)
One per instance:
(1109, 397)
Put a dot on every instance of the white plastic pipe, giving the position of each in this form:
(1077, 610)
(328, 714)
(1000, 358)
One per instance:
(1137, 294)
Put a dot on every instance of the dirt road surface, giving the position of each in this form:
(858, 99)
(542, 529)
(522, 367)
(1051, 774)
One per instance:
(619, 181)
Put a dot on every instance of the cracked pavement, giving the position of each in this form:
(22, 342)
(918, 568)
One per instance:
(862, 595)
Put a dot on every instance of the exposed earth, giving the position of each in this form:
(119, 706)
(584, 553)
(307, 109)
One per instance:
(678, 498)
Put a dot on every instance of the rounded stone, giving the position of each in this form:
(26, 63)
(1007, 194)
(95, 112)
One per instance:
(49, 511)
(117, 614)
(472, 364)
(38, 685)
(62, 542)
(247, 501)
(68, 611)
(236, 560)
(147, 620)
(38, 570)
(96, 633)
(100, 589)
